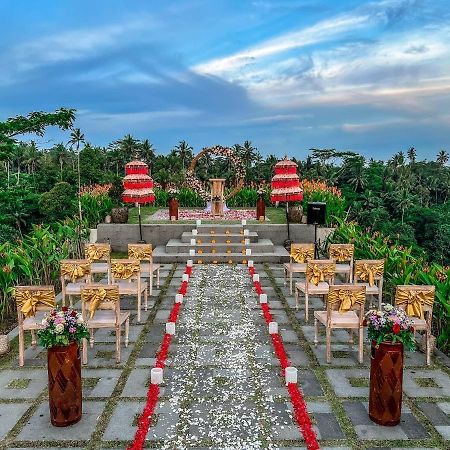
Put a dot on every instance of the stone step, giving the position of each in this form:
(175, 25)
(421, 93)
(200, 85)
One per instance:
(278, 255)
(262, 246)
(219, 228)
(218, 237)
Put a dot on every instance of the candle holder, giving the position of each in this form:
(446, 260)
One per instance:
(193, 241)
(246, 241)
(194, 232)
(189, 263)
(156, 375)
(170, 328)
(243, 222)
(191, 252)
(198, 222)
(250, 263)
(178, 298)
(255, 277)
(291, 375)
(185, 277)
(262, 298)
(246, 232)
(273, 327)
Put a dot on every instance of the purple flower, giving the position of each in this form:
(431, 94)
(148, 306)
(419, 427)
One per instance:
(72, 330)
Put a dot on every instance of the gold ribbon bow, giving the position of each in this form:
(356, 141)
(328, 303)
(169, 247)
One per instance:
(301, 254)
(414, 300)
(28, 300)
(124, 271)
(341, 254)
(368, 272)
(347, 299)
(96, 296)
(139, 252)
(318, 272)
(74, 271)
(96, 252)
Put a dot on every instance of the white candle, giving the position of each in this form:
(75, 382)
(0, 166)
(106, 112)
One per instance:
(189, 263)
(250, 263)
(194, 232)
(170, 328)
(198, 222)
(192, 241)
(179, 298)
(247, 241)
(156, 375)
(262, 298)
(248, 251)
(291, 375)
(255, 277)
(191, 252)
(246, 232)
(273, 327)
(185, 277)
(243, 222)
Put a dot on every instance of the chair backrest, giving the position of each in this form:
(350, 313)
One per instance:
(98, 252)
(318, 270)
(300, 253)
(96, 297)
(341, 252)
(142, 252)
(125, 269)
(75, 270)
(369, 271)
(30, 299)
(415, 300)
(346, 297)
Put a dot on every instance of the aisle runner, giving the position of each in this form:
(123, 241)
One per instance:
(218, 393)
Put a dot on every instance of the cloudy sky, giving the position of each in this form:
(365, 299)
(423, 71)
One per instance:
(288, 75)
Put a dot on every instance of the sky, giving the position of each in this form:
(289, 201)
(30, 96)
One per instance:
(372, 77)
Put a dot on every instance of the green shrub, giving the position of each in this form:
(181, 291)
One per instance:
(58, 203)
(95, 208)
(8, 233)
(115, 191)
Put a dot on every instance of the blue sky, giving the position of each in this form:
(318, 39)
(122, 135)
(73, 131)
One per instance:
(373, 77)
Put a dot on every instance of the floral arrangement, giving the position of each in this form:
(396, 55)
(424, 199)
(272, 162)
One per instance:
(319, 186)
(390, 324)
(96, 190)
(61, 327)
(172, 190)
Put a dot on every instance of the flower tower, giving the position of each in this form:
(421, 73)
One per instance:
(138, 186)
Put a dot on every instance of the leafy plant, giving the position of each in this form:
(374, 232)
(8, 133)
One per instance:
(58, 203)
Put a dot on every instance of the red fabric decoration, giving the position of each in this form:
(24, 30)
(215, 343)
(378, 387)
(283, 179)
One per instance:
(266, 312)
(173, 317)
(183, 288)
(138, 184)
(286, 183)
(163, 351)
(280, 352)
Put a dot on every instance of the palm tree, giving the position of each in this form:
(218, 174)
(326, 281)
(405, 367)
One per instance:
(32, 157)
(77, 138)
(442, 157)
(147, 152)
(411, 155)
(184, 152)
(60, 153)
(128, 148)
(404, 200)
(248, 154)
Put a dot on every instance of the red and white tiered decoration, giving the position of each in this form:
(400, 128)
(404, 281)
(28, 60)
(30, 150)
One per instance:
(286, 183)
(138, 184)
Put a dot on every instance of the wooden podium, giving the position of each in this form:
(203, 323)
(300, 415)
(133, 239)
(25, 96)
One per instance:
(217, 196)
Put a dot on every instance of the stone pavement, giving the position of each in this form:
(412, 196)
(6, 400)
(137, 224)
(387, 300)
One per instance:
(222, 383)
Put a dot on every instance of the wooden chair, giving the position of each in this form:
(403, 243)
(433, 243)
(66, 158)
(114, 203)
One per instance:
(417, 301)
(319, 276)
(99, 255)
(74, 274)
(343, 255)
(100, 307)
(144, 253)
(126, 273)
(299, 254)
(33, 303)
(345, 309)
(369, 273)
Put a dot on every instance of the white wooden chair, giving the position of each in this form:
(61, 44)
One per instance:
(144, 253)
(298, 256)
(33, 303)
(345, 309)
(343, 255)
(126, 273)
(99, 255)
(74, 274)
(369, 273)
(100, 307)
(417, 301)
(319, 276)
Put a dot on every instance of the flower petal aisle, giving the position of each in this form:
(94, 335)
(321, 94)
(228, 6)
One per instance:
(221, 370)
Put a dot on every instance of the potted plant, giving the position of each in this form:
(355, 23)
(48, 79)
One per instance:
(119, 214)
(173, 202)
(63, 329)
(389, 331)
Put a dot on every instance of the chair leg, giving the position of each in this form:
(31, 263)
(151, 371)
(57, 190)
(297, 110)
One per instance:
(146, 300)
(150, 281)
(127, 331)
(296, 299)
(290, 282)
(33, 338)
(70, 301)
(21, 347)
(361, 345)
(91, 339)
(118, 332)
(328, 345)
(85, 351)
(285, 276)
(139, 307)
(427, 347)
(351, 341)
(316, 331)
(306, 307)
(157, 279)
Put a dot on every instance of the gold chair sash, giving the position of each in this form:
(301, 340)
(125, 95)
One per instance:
(368, 272)
(96, 252)
(28, 300)
(74, 271)
(316, 273)
(301, 254)
(347, 299)
(124, 271)
(96, 296)
(414, 301)
(341, 254)
(139, 252)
